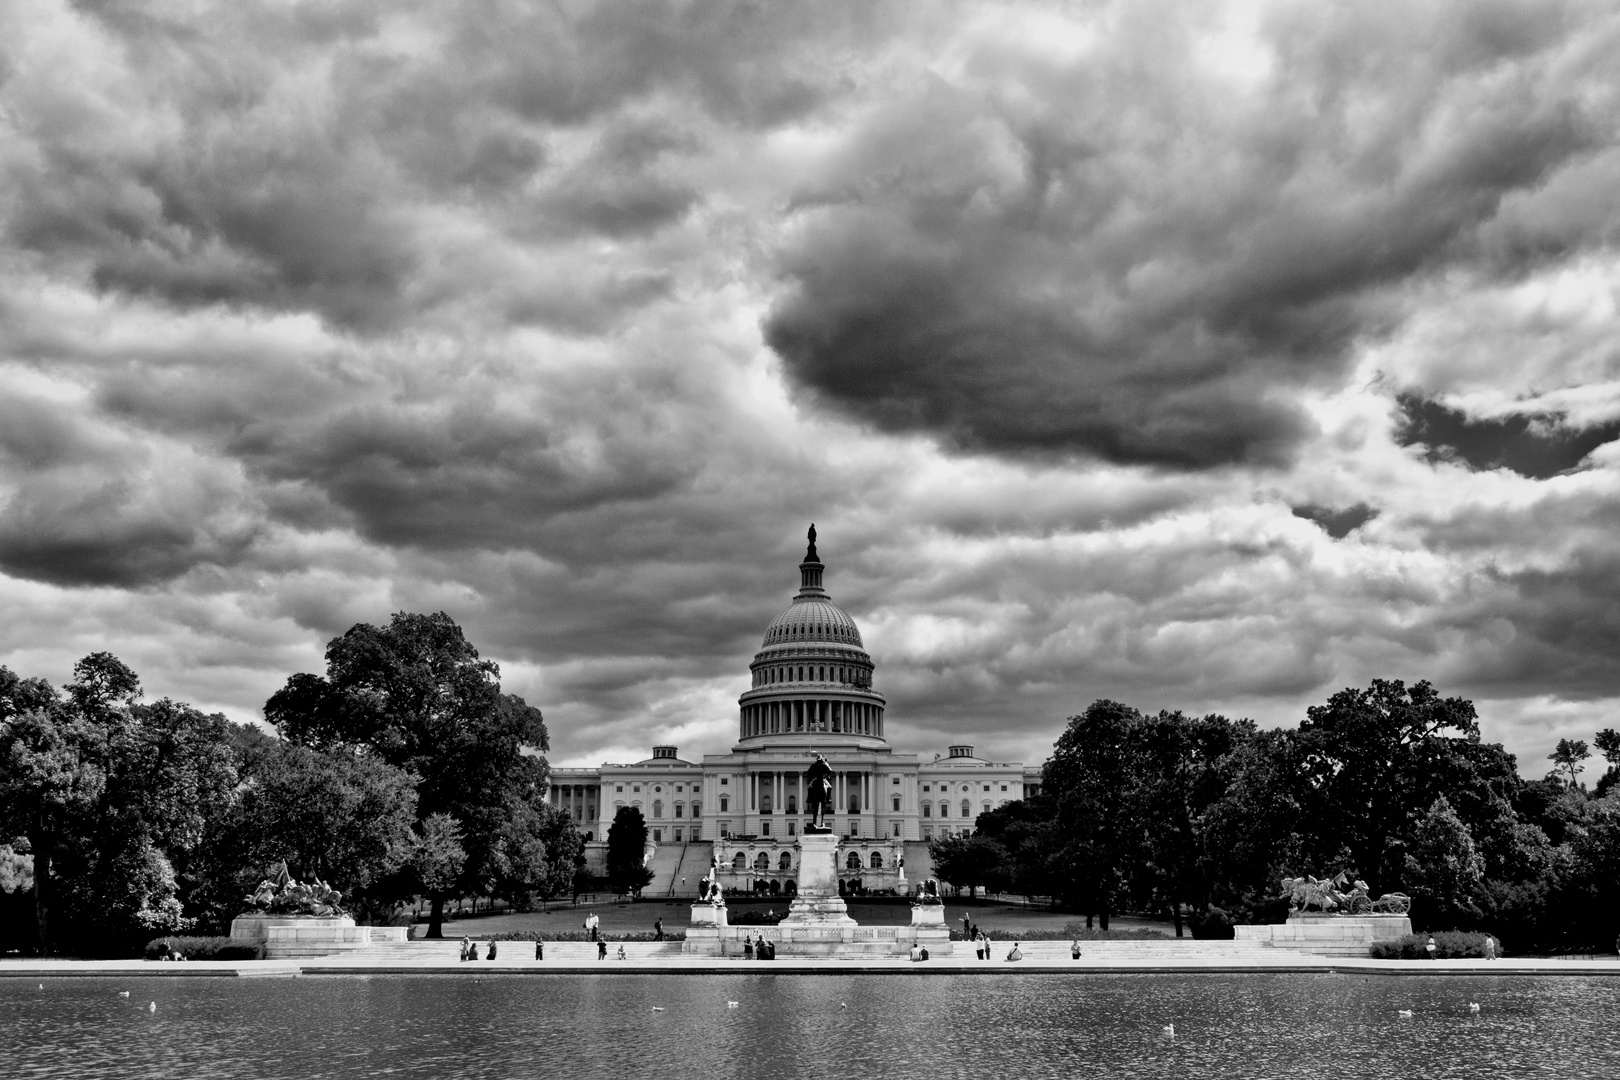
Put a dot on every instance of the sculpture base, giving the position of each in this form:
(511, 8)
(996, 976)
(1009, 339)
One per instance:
(817, 830)
(292, 937)
(707, 914)
(1328, 935)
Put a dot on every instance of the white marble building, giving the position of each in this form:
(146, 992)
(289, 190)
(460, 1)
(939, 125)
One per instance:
(813, 692)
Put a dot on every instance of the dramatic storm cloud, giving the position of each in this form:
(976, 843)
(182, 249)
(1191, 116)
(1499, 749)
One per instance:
(1203, 356)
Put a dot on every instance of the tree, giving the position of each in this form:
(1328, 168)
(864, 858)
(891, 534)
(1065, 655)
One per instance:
(1568, 757)
(344, 819)
(110, 795)
(437, 858)
(1443, 867)
(1087, 778)
(1363, 756)
(1607, 742)
(626, 850)
(971, 862)
(416, 694)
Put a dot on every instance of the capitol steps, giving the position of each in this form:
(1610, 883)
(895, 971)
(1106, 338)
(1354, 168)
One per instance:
(666, 868)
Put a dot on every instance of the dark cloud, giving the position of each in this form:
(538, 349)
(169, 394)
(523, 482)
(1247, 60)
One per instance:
(1536, 446)
(1110, 257)
(1337, 523)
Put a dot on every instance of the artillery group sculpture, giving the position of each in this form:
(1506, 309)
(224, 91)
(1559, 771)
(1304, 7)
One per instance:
(1340, 895)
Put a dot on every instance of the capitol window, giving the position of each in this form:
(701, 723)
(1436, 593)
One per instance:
(658, 808)
(678, 808)
(928, 809)
(967, 808)
(897, 804)
(725, 804)
(619, 788)
(897, 781)
(696, 788)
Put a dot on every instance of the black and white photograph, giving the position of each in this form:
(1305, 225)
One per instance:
(764, 538)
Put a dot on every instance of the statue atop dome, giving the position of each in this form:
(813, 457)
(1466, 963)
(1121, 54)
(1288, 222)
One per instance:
(810, 556)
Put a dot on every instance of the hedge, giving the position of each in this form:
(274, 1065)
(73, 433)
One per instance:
(577, 935)
(1448, 945)
(205, 948)
(1071, 932)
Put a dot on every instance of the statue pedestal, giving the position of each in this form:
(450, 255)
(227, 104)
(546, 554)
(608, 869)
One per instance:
(817, 900)
(707, 914)
(1328, 935)
(927, 914)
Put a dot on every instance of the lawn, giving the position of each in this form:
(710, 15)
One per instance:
(638, 917)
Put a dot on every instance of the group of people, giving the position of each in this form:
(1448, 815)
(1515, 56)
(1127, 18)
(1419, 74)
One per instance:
(764, 949)
(469, 949)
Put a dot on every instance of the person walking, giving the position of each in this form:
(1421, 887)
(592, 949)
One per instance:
(491, 955)
(1074, 949)
(601, 950)
(988, 945)
(465, 945)
(539, 949)
(748, 947)
(967, 927)
(658, 929)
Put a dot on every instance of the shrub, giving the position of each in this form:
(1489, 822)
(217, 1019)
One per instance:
(1068, 933)
(755, 918)
(1448, 945)
(577, 935)
(205, 948)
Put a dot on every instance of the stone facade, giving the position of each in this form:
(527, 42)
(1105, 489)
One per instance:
(1328, 935)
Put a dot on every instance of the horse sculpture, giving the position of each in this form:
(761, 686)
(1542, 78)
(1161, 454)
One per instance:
(1342, 895)
(818, 794)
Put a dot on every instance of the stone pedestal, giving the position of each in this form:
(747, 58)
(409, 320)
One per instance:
(292, 937)
(817, 901)
(1328, 935)
(257, 927)
(706, 914)
(927, 914)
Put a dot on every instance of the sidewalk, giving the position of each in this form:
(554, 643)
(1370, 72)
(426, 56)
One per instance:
(1283, 963)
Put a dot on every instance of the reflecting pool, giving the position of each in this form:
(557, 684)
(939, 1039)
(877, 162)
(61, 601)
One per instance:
(1235, 1027)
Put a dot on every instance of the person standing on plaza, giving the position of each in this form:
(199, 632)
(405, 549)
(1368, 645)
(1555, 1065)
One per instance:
(748, 947)
(658, 929)
(967, 927)
(1429, 947)
(539, 949)
(465, 945)
(988, 945)
(601, 950)
(491, 951)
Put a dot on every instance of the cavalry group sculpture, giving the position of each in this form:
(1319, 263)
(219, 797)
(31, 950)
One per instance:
(1340, 895)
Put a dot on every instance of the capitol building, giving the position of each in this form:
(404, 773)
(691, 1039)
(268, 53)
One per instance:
(812, 692)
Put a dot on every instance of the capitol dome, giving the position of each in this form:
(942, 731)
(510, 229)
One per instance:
(812, 676)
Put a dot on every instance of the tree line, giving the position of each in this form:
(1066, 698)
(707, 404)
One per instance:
(402, 772)
(1199, 818)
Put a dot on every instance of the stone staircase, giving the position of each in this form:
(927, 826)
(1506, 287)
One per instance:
(446, 952)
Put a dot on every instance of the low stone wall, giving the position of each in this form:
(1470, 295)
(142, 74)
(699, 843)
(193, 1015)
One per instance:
(794, 940)
(294, 938)
(1328, 935)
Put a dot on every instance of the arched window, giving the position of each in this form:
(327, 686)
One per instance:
(658, 808)
(785, 862)
(877, 860)
(853, 862)
(928, 809)
(678, 808)
(967, 808)
(740, 862)
(762, 861)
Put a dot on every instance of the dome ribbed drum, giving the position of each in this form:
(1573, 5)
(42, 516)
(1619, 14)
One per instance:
(812, 675)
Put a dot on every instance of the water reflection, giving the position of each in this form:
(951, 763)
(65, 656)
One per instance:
(1250, 1027)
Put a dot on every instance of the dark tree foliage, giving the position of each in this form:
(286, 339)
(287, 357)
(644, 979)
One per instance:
(972, 862)
(1170, 813)
(111, 798)
(416, 695)
(626, 849)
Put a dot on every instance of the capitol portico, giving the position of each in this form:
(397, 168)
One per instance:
(812, 693)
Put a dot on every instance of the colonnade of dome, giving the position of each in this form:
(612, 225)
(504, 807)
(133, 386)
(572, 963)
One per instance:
(812, 677)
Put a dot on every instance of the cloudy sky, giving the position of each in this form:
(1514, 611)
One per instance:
(1199, 356)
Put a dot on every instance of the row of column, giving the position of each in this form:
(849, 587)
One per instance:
(778, 785)
(782, 717)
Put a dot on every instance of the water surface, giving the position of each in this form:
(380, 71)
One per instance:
(1072, 1025)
